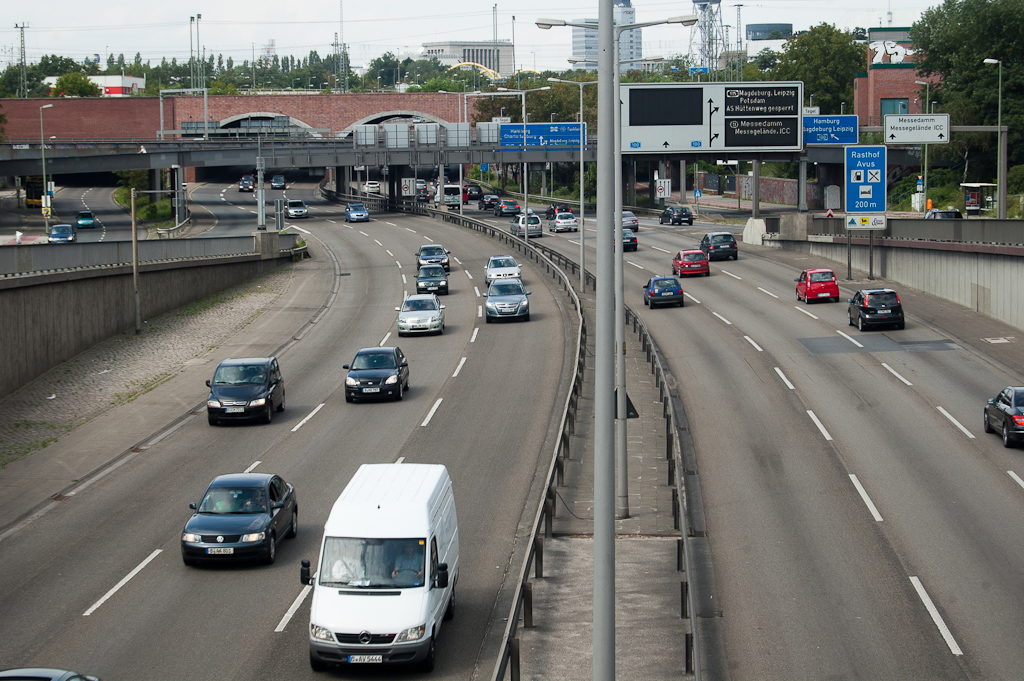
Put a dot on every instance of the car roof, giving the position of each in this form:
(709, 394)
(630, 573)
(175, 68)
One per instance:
(500, 256)
(431, 246)
(375, 350)
(691, 250)
(241, 480)
(867, 291)
(508, 280)
(236, 361)
(819, 269)
(421, 296)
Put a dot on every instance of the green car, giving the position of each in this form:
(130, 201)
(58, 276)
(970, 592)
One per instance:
(432, 279)
(86, 219)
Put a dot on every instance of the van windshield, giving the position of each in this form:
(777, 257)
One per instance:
(372, 563)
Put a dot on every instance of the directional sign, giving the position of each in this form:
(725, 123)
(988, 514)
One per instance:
(812, 110)
(865, 222)
(696, 117)
(501, 119)
(542, 134)
(916, 129)
(865, 179)
(694, 70)
(408, 186)
(830, 130)
(664, 189)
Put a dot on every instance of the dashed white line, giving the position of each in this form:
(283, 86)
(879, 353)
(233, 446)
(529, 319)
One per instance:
(820, 425)
(477, 290)
(308, 417)
(399, 264)
(459, 368)
(867, 500)
(400, 459)
(800, 309)
(403, 279)
(732, 275)
(936, 617)
(691, 298)
(363, 233)
(95, 606)
(849, 338)
(1016, 478)
(384, 339)
(784, 379)
(389, 252)
(456, 260)
(410, 230)
(476, 330)
(300, 229)
(377, 241)
(252, 466)
(762, 290)
(722, 318)
(479, 311)
(956, 423)
(660, 249)
(751, 341)
(433, 409)
(893, 372)
(635, 265)
(391, 223)
(468, 274)
(292, 610)
(349, 226)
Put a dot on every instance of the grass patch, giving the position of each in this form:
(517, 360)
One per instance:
(139, 388)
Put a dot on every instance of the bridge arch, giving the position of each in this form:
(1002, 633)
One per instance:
(375, 118)
(268, 115)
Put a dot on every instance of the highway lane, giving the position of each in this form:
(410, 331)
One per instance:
(223, 620)
(811, 578)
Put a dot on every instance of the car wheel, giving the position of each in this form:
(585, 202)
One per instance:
(440, 332)
(280, 407)
(984, 422)
(902, 325)
(487, 320)
(807, 299)
(860, 323)
(428, 663)
(271, 550)
(527, 317)
(449, 612)
(661, 221)
(348, 398)
(400, 334)
(293, 529)
(212, 421)
(736, 257)
(191, 563)
(646, 301)
(849, 319)
(1007, 442)
(317, 665)
(401, 391)
(269, 416)
(798, 296)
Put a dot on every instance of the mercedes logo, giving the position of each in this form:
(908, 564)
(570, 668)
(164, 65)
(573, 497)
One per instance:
(220, 539)
(364, 637)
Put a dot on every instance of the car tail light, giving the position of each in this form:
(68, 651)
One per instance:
(897, 299)
(1019, 420)
(680, 291)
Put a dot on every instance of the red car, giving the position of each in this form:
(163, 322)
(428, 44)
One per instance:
(817, 284)
(691, 262)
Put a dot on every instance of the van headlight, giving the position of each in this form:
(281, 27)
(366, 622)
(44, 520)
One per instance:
(413, 634)
(320, 633)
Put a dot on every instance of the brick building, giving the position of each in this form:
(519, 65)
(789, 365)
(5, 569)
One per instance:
(888, 87)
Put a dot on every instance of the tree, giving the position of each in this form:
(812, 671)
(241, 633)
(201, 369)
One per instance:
(75, 85)
(384, 67)
(826, 60)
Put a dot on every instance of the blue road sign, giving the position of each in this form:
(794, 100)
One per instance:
(698, 69)
(830, 130)
(865, 179)
(483, 167)
(542, 134)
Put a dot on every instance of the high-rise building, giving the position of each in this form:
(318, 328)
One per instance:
(490, 54)
(584, 40)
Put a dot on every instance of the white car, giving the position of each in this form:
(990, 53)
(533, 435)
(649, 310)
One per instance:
(564, 222)
(371, 187)
(296, 208)
(501, 267)
(421, 313)
(529, 223)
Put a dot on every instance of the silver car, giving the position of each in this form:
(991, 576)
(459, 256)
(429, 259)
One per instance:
(421, 313)
(564, 222)
(630, 221)
(528, 223)
(296, 208)
(501, 267)
(506, 298)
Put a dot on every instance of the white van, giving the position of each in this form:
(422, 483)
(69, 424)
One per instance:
(382, 584)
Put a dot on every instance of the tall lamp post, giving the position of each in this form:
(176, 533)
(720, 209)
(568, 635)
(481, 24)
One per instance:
(44, 200)
(1001, 174)
(924, 181)
(580, 85)
(526, 177)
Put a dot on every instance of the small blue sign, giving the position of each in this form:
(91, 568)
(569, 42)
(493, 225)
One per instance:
(542, 134)
(830, 130)
(696, 193)
(695, 143)
(634, 145)
(483, 167)
(698, 69)
(865, 183)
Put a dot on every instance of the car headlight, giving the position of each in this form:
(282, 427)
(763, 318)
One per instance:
(320, 633)
(391, 380)
(255, 536)
(524, 303)
(411, 634)
(213, 403)
(443, 282)
(258, 403)
(191, 538)
(351, 381)
(436, 318)
(489, 305)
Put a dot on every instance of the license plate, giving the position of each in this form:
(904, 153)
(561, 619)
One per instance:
(431, 288)
(220, 550)
(234, 410)
(666, 293)
(363, 659)
(419, 326)
(883, 311)
(371, 390)
(824, 295)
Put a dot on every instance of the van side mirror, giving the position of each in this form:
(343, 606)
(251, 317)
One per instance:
(304, 577)
(442, 576)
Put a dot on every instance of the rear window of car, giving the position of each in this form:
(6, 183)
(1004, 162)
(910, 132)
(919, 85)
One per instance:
(822, 276)
(692, 257)
(627, 215)
(881, 300)
(564, 216)
(532, 220)
(665, 283)
(722, 239)
(1018, 398)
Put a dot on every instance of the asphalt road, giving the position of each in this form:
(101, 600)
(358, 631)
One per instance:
(489, 419)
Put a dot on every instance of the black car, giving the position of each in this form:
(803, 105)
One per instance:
(247, 183)
(554, 209)
(432, 279)
(1004, 414)
(433, 254)
(676, 215)
(377, 372)
(277, 182)
(488, 202)
(943, 214)
(719, 246)
(474, 193)
(629, 242)
(876, 307)
(240, 517)
(245, 388)
(422, 195)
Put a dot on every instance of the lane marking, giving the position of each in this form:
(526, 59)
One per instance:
(349, 226)
(410, 230)
(399, 264)
(762, 290)
(818, 423)
(936, 617)
(468, 274)
(298, 228)
(377, 241)
(456, 260)
(732, 275)
(254, 464)
(391, 223)
(956, 423)
(479, 311)
(691, 297)
(430, 415)
(660, 249)
(573, 242)
(311, 415)
(384, 340)
(459, 368)
(635, 265)
(389, 252)
(751, 341)
(331, 221)
(784, 379)
(363, 233)
(1016, 478)
(296, 604)
(867, 500)
(722, 318)
(477, 289)
(400, 459)
(800, 309)
(893, 372)
(849, 338)
(472, 339)
(403, 279)
(125, 580)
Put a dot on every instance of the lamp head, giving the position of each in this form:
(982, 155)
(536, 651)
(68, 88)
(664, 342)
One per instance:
(548, 23)
(922, 82)
(989, 60)
(685, 20)
(46, 106)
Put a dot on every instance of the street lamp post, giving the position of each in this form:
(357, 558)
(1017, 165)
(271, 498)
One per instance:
(526, 177)
(44, 200)
(924, 180)
(580, 85)
(1000, 140)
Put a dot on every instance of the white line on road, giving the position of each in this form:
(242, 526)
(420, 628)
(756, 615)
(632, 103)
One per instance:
(936, 617)
(389, 252)
(400, 459)
(762, 290)
(399, 264)
(477, 289)
(660, 249)
(124, 581)
(384, 339)
(1016, 478)
(300, 229)
(405, 294)
(456, 260)
(893, 372)
(391, 223)
(468, 274)
(691, 298)
(573, 242)
(410, 230)
(459, 368)
(479, 311)
(331, 221)
(722, 318)
(476, 330)
(403, 279)
(732, 275)
(363, 233)
(867, 500)
(784, 379)
(292, 610)
(818, 423)
(311, 415)
(430, 415)
(955, 422)
(751, 341)
(848, 337)
(377, 241)
(349, 226)
(252, 466)
(635, 265)
(800, 309)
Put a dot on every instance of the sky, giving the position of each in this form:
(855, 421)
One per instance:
(71, 28)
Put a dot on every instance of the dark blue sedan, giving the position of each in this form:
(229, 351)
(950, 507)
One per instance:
(663, 291)
(377, 372)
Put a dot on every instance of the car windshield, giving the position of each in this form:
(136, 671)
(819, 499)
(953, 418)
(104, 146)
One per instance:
(61, 229)
(1018, 397)
(722, 239)
(221, 500)
(565, 216)
(532, 220)
(692, 257)
(627, 234)
(374, 360)
(355, 206)
(431, 272)
(85, 214)
(418, 304)
(822, 276)
(502, 262)
(505, 289)
(431, 251)
(295, 203)
(664, 283)
(240, 374)
(881, 300)
(372, 563)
